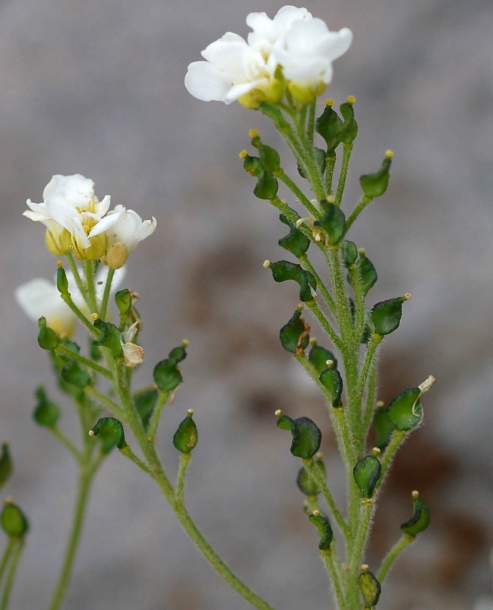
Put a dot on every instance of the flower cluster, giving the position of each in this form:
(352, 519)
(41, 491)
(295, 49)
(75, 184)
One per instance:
(294, 51)
(77, 222)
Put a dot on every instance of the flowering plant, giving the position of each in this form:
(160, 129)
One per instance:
(281, 69)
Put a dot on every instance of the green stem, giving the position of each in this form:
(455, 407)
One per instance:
(10, 577)
(365, 514)
(180, 478)
(370, 399)
(86, 474)
(156, 414)
(75, 271)
(97, 368)
(91, 291)
(104, 400)
(127, 452)
(316, 475)
(306, 264)
(106, 294)
(66, 442)
(357, 211)
(298, 193)
(404, 541)
(359, 302)
(68, 300)
(310, 126)
(325, 324)
(346, 156)
(332, 565)
(6, 555)
(330, 163)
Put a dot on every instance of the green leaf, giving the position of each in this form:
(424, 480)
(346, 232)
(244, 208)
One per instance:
(46, 413)
(386, 315)
(331, 380)
(6, 465)
(294, 335)
(366, 474)
(75, 375)
(47, 337)
(318, 356)
(375, 185)
(305, 482)
(266, 187)
(349, 253)
(323, 525)
(187, 436)
(145, 402)
(420, 519)
(370, 588)
(328, 125)
(405, 410)
(110, 432)
(110, 337)
(333, 222)
(306, 435)
(14, 522)
(367, 273)
(383, 426)
(124, 301)
(284, 270)
(295, 241)
(349, 129)
(167, 375)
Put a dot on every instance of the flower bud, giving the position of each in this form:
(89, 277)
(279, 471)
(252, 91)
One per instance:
(375, 185)
(6, 465)
(333, 222)
(58, 242)
(284, 270)
(306, 483)
(117, 255)
(13, 520)
(46, 413)
(167, 375)
(386, 315)
(369, 587)
(110, 432)
(295, 334)
(47, 337)
(366, 474)
(420, 519)
(306, 435)
(186, 437)
(97, 249)
(295, 241)
(323, 525)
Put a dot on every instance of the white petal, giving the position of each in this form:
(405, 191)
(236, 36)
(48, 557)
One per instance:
(205, 82)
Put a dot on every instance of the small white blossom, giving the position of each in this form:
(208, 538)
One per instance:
(293, 48)
(307, 52)
(125, 234)
(73, 216)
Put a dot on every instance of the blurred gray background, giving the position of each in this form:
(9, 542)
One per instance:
(96, 87)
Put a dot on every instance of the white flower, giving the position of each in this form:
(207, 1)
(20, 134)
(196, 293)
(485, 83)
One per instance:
(248, 71)
(307, 52)
(73, 217)
(40, 297)
(125, 234)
